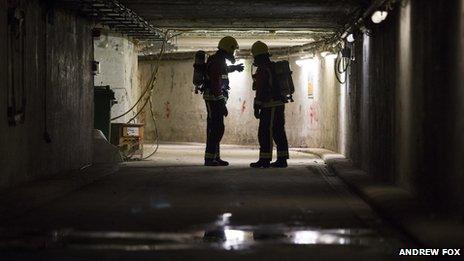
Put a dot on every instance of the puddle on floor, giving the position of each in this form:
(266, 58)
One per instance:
(219, 237)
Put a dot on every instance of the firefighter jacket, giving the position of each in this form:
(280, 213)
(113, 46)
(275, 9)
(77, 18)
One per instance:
(267, 92)
(217, 80)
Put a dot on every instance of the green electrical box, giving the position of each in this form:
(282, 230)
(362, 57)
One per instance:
(103, 101)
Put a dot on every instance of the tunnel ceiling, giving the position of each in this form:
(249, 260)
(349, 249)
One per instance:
(245, 14)
(279, 23)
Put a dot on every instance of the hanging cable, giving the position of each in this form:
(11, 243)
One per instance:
(141, 109)
(133, 106)
(16, 45)
(149, 89)
(150, 83)
(152, 114)
(156, 132)
(46, 134)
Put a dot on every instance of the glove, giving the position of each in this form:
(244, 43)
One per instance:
(257, 113)
(239, 67)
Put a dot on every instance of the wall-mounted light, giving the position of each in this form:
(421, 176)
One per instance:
(379, 16)
(350, 38)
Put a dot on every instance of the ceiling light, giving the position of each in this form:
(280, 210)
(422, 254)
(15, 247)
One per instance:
(379, 16)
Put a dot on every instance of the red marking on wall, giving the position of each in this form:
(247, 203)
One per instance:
(243, 106)
(167, 110)
(312, 114)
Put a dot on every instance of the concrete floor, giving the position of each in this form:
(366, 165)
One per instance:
(173, 208)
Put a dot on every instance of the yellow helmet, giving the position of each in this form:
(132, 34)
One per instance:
(259, 48)
(228, 44)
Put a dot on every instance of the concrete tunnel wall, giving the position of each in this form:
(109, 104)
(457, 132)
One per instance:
(404, 103)
(65, 86)
(181, 114)
(118, 69)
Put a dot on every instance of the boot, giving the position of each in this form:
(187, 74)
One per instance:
(279, 163)
(222, 162)
(261, 163)
(211, 162)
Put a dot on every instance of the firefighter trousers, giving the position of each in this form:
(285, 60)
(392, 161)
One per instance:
(214, 128)
(272, 129)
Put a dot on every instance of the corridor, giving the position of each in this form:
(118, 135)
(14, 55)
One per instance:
(171, 207)
(118, 119)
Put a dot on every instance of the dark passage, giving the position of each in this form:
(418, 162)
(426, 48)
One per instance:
(231, 129)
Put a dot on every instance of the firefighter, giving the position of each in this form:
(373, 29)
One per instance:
(269, 108)
(216, 94)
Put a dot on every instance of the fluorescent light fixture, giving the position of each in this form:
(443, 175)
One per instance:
(350, 38)
(379, 16)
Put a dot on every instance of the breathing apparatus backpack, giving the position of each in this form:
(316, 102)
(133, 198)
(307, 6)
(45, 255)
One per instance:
(282, 78)
(200, 77)
(199, 71)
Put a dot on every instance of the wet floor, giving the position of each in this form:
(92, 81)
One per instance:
(173, 208)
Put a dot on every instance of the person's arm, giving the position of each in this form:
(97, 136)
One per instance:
(233, 68)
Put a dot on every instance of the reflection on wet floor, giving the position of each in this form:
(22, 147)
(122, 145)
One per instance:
(165, 205)
(217, 236)
(242, 237)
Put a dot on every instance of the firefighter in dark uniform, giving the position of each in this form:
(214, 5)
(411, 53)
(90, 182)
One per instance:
(269, 108)
(216, 94)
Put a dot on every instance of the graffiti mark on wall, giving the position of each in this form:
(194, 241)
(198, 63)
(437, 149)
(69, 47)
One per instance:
(243, 106)
(167, 110)
(172, 78)
(313, 114)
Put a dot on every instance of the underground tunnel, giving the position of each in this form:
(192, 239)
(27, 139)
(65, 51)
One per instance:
(341, 130)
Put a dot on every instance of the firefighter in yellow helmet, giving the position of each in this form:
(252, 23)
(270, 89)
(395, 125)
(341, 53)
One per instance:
(269, 108)
(216, 94)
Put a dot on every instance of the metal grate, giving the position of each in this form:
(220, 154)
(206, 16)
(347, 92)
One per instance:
(116, 16)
